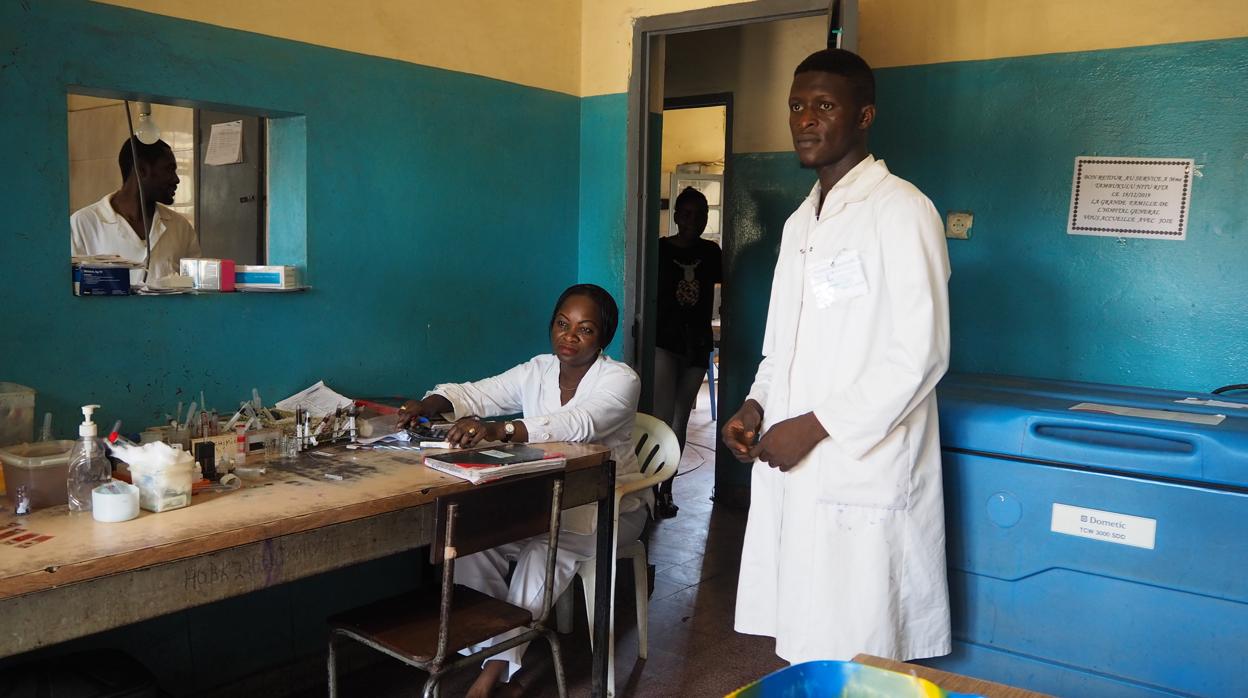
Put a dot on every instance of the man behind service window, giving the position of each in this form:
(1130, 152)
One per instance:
(111, 225)
(844, 550)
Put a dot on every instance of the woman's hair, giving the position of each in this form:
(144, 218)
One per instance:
(693, 196)
(608, 312)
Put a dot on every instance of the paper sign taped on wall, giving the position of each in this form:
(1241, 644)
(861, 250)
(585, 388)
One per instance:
(225, 144)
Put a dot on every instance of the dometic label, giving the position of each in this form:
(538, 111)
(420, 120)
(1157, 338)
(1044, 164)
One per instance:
(1107, 526)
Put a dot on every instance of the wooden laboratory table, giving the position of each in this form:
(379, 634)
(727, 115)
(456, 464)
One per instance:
(950, 681)
(75, 576)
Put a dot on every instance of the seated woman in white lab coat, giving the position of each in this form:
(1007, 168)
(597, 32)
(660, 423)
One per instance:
(575, 393)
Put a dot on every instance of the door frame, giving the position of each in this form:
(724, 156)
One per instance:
(648, 33)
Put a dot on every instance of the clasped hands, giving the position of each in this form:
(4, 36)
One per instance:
(783, 446)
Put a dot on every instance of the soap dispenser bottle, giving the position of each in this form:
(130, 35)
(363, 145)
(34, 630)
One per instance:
(88, 466)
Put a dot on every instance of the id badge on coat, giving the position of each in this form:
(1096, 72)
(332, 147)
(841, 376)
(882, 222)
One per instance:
(837, 278)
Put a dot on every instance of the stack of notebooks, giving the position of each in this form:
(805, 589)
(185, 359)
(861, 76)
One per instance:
(502, 460)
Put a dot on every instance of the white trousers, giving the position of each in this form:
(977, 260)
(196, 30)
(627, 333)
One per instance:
(487, 573)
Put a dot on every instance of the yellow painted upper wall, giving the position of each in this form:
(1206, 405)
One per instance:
(913, 32)
(534, 42)
(607, 38)
(584, 47)
(692, 135)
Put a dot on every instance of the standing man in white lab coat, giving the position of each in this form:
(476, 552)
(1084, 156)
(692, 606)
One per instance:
(845, 548)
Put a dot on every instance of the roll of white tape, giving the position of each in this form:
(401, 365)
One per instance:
(115, 501)
(230, 480)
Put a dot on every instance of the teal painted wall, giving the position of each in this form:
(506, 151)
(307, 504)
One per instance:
(1000, 138)
(441, 225)
(288, 193)
(441, 220)
(601, 255)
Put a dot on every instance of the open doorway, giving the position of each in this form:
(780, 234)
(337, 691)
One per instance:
(739, 58)
(688, 274)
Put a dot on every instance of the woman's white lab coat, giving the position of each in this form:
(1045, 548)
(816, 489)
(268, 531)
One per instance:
(845, 553)
(602, 411)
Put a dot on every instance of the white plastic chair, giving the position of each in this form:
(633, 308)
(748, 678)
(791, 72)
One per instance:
(658, 454)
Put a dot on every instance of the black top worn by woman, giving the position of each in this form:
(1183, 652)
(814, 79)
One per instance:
(687, 278)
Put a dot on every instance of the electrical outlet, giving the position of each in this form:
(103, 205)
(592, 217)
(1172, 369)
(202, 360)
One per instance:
(958, 224)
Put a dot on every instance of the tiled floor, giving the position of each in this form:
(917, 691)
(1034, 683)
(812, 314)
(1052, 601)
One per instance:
(693, 649)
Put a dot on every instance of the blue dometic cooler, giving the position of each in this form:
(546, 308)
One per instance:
(1093, 553)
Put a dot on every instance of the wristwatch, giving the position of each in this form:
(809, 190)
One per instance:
(509, 431)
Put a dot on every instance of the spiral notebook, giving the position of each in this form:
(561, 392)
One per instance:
(501, 460)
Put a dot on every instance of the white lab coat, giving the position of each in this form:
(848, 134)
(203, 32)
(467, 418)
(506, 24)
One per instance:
(99, 230)
(602, 411)
(845, 553)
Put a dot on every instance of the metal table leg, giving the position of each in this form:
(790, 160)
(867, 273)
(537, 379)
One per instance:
(604, 587)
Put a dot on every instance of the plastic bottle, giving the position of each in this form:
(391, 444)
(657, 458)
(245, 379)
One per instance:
(88, 466)
(240, 445)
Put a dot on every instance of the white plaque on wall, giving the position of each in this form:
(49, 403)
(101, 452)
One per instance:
(1131, 197)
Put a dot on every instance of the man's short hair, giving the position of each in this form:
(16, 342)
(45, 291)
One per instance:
(848, 65)
(149, 154)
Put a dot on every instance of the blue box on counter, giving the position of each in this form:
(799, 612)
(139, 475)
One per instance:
(1098, 537)
(92, 280)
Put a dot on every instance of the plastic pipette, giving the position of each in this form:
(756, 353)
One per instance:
(249, 414)
(261, 410)
(229, 426)
(115, 438)
(45, 434)
(190, 414)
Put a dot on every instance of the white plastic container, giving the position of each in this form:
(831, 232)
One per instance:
(163, 475)
(114, 502)
(42, 467)
(17, 414)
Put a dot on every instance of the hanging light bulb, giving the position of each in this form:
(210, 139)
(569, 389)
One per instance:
(146, 130)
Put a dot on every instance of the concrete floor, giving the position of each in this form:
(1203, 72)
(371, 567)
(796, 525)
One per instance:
(693, 650)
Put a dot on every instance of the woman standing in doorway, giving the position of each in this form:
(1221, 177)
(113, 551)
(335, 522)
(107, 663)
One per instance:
(689, 268)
